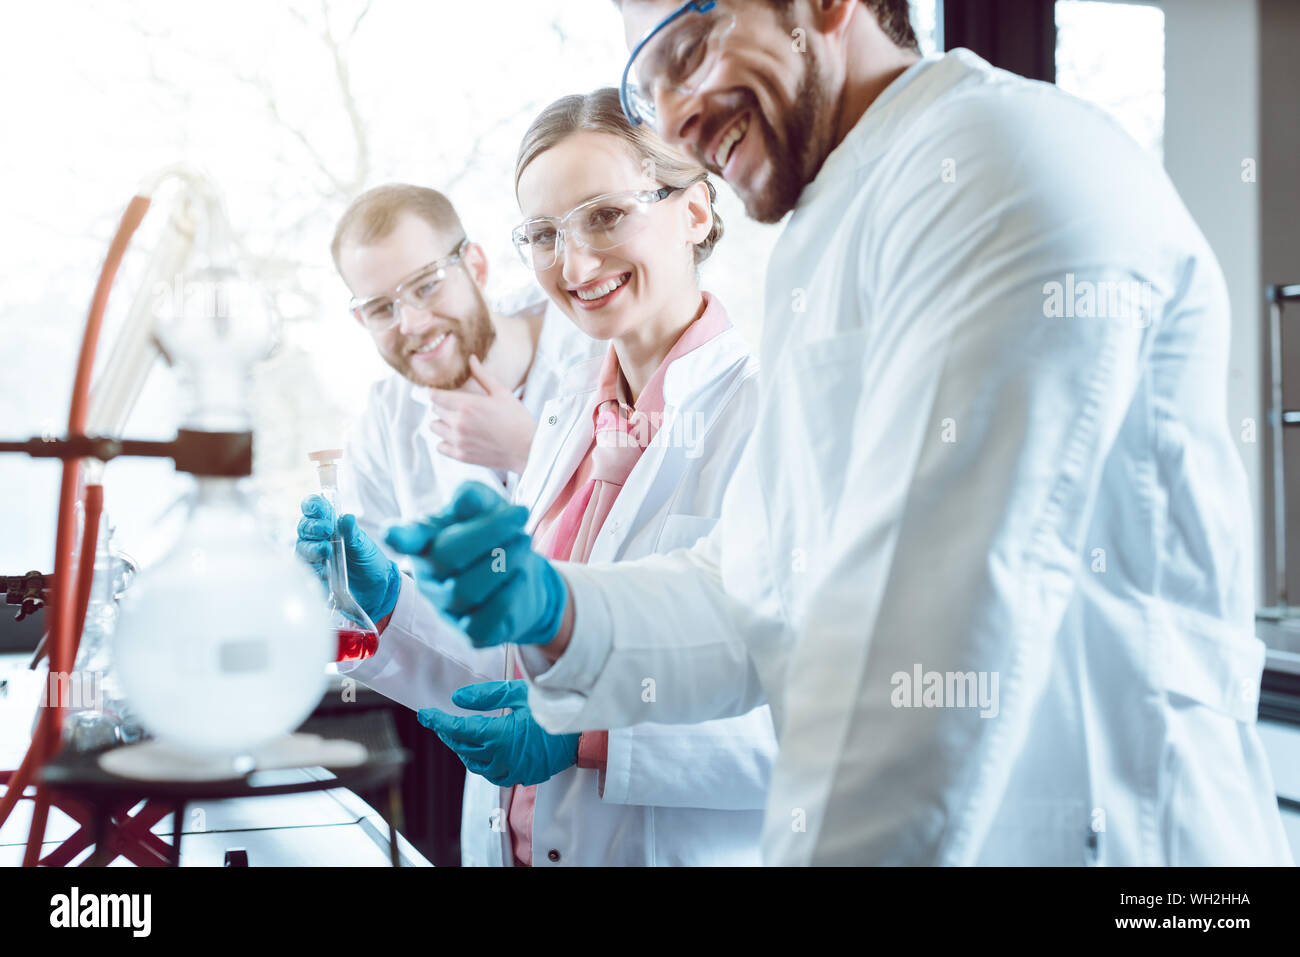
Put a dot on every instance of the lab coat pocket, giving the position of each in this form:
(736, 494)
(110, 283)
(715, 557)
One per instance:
(828, 351)
(822, 389)
(683, 531)
(1211, 663)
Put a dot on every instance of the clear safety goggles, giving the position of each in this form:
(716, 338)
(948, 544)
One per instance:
(601, 223)
(677, 57)
(379, 313)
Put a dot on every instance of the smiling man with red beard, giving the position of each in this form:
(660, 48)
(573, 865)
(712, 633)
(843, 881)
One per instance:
(468, 380)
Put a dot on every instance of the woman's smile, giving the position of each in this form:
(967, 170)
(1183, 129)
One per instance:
(599, 292)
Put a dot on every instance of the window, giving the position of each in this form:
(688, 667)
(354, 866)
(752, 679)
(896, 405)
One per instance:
(925, 23)
(1113, 55)
(292, 108)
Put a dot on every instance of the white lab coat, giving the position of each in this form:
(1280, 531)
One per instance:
(674, 794)
(944, 476)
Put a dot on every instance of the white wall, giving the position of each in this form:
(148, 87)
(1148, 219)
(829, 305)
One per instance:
(1212, 124)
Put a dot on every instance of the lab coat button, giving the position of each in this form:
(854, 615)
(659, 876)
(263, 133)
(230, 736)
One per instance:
(553, 856)
(551, 420)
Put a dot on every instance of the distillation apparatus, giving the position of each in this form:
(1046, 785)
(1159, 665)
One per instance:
(220, 646)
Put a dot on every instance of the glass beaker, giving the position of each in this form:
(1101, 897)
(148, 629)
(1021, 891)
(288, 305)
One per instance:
(358, 637)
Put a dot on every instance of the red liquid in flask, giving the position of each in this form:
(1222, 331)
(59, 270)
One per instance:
(354, 644)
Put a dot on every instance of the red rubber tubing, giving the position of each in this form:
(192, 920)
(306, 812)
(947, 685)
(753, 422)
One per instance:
(93, 506)
(64, 609)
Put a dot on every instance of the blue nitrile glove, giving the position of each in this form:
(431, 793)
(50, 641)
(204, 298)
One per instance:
(477, 566)
(506, 749)
(373, 578)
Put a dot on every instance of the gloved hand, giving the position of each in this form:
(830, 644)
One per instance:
(373, 577)
(506, 749)
(476, 565)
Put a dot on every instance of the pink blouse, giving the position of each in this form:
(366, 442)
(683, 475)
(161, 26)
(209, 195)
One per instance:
(568, 530)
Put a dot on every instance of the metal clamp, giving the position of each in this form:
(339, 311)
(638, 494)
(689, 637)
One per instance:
(1278, 420)
(27, 591)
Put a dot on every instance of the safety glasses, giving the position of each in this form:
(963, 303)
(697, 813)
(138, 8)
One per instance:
(379, 313)
(601, 223)
(677, 56)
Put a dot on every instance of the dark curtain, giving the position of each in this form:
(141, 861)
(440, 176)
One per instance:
(1016, 35)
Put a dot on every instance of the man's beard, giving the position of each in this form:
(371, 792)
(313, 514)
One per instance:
(795, 161)
(474, 335)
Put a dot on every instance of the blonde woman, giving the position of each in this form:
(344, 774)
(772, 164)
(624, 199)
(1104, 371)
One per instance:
(631, 458)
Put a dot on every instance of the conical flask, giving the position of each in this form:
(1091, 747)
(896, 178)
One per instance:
(357, 635)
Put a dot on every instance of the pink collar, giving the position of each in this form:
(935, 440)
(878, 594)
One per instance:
(711, 322)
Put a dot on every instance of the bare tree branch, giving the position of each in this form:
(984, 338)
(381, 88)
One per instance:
(343, 77)
(260, 84)
(343, 74)
(297, 142)
(478, 147)
(357, 22)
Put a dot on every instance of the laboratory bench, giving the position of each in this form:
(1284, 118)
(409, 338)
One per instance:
(326, 826)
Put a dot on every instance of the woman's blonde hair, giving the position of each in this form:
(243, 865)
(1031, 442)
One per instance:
(601, 112)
